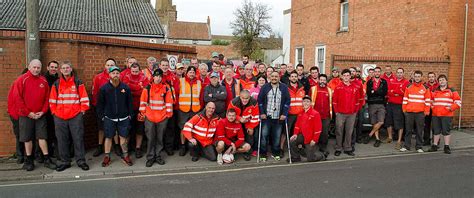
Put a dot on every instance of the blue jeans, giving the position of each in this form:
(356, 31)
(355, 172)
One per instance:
(271, 128)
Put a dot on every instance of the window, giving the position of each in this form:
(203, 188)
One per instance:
(320, 58)
(299, 55)
(344, 15)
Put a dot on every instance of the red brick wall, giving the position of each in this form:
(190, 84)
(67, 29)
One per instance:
(87, 54)
(405, 29)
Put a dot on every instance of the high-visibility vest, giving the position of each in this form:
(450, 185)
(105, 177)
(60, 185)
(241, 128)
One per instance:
(417, 99)
(156, 102)
(68, 98)
(296, 104)
(189, 96)
(314, 94)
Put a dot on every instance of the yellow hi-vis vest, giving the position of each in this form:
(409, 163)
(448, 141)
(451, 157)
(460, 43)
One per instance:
(189, 96)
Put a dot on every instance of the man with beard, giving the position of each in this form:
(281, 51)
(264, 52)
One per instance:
(302, 78)
(321, 97)
(216, 93)
(416, 105)
(136, 80)
(31, 104)
(274, 103)
(313, 76)
(376, 94)
(114, 107)
(245, 60)
(357, 81)
(432, 84)
(233, 86)
(394, 118)
(297, 93)
(68, 102)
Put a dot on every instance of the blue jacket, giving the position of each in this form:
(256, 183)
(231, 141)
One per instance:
(285, 99)
(114, 102)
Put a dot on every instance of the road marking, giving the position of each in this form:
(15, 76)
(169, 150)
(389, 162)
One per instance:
(215, 171)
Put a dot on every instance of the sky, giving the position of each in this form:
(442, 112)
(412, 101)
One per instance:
(221, 13)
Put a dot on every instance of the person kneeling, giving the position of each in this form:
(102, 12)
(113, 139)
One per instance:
(307, 132)
(230, 137)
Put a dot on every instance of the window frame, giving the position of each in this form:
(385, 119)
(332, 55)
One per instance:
(322, 68)
(296, 55)
(343, 28)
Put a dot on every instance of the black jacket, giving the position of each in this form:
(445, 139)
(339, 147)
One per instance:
(377, 96)
(219, 95)
(114, 102)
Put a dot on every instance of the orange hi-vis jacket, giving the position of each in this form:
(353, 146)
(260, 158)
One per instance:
(66, 100)
(442, 99)
(250, 112)
(189, 94)
(247, 83)
(417, 99)
(148, 74)
(296, 95)
(201, 128)
(159, 104)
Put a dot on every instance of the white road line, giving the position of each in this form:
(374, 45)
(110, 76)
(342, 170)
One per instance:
(212, 171)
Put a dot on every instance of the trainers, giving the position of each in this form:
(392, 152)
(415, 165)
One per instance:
(447, 150)
(160, 161)
(254, 153)
(433, 148)
(403, 149)
(420, 150)
(337, 153)
(350, 153)
(195, 158)
(377, 143)
(276, 157)
(247, 157)
(366, 140)
(138, 153)
(127, 161)
(98, 151)
(182, 150)
(48, 163)
(106, 161)
(219, 159)
(263, 159)
(398, 146)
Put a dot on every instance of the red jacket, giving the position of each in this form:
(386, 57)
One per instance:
(417, 99)
(33, 94)
(442, 99)
(433, 86)
(12, 108)
(133, 81)
(334, 82)
(173, 82)
(250, 112)
(230, 132)
(396, 90)
(201, 128)
(247, 83)
(99, 80)
(312, 82)
(387, 78)
(321, 98)
(296, 95)
(309, 124)
(68, 100)
(347, 99)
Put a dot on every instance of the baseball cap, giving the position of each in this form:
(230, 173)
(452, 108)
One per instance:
(158, 72)
(307, 98)
(215, 74)
(335, 69)
(113, 68)
(179, 65)
(214, 54)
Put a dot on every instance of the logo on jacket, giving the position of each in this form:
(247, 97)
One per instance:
(422, 91)
(41, 85)
(123, 90)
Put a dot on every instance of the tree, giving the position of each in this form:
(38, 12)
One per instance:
(251, 21)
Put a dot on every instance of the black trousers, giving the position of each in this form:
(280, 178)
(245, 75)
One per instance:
(312, 153)
(67, 130)
(208, 152)
(20, 147)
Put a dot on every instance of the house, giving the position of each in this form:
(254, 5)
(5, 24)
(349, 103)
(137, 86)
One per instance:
(415, 35)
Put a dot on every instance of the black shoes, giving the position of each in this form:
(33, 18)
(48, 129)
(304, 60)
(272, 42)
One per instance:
(48, 163)
(366, 140)
(138, 153)
(247, 156)
(63, 167)
(149, 162)
(20, 160)
(447, 150)
(182, 150)
(160, 161)
(29, 164)
(433, 148)
(337, 153)
(377, 143)
(349, 153)
(99, 151)
(195, 158)
(84, 166)
(169, 152)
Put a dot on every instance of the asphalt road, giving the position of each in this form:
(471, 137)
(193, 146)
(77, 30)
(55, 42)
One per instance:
(419, 175)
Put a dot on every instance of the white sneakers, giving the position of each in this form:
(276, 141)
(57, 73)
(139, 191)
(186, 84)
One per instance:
(219, 159)
(420, 150)
(417, 150)
(403, 149)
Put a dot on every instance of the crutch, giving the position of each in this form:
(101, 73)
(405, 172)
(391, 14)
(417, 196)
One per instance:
(259, 139)
(288, 139)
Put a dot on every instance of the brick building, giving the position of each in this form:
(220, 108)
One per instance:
(425, 35)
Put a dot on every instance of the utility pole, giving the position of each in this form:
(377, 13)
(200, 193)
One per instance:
(32, 39)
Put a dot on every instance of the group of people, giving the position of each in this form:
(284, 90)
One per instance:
(219, 109)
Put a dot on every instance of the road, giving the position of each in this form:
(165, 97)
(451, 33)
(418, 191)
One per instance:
(418, 175)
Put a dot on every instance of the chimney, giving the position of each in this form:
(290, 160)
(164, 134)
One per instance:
(208, 21)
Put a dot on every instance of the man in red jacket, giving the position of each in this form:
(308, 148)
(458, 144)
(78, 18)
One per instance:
(432, 84)
(32, 104)
(68, 102)
(321, 97)
(12, 111)
(307, 132)
(230, 136)
(395, 118)
(346, 100)
(136, 80)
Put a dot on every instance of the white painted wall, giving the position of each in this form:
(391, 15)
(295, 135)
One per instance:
(286, 37)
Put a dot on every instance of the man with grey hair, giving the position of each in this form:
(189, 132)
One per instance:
(151, 63)
(32, 103)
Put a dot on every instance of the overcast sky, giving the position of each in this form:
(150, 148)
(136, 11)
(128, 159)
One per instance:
(221, 12)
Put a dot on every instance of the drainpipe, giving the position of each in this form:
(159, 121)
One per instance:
(463, 63)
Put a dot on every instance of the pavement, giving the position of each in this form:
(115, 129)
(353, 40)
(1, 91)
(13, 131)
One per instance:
(12, 172)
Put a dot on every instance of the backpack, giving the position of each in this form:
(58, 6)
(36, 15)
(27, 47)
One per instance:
(77, 82)
(148, 87)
